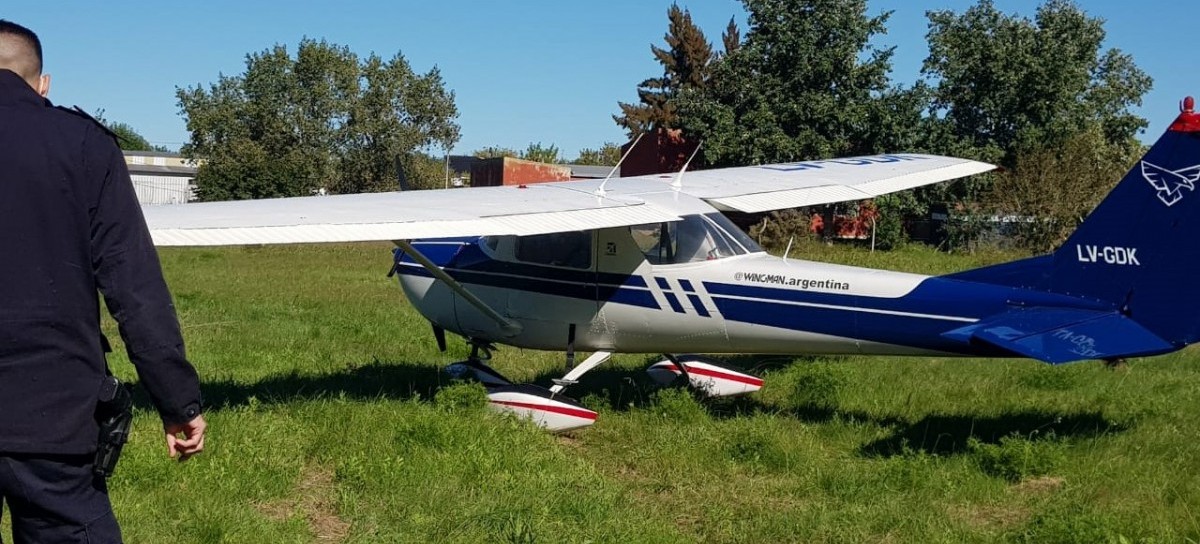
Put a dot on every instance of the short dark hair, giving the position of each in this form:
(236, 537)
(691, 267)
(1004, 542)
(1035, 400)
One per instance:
(13, 29)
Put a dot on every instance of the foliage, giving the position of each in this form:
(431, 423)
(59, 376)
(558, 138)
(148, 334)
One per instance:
(422, 171)
(608, 155)
(782, 227)
(1051, 191)
(805, 83)
(891, 211)
(324, 118)
(492, 152)
(685, 66)
(539, 153)
(127, 137)
(1006, 83)
(130, 140)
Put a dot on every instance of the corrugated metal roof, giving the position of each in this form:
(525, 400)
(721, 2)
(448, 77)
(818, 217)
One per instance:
(161, 170)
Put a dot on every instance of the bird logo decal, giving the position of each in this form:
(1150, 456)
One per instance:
(1170, 184)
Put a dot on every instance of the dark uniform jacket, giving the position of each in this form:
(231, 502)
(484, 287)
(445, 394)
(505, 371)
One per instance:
(70, 225)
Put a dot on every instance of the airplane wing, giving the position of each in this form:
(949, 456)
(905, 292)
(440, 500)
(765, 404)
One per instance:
(1062, 335)
(542, 207)
(535, 209)
(754, 189)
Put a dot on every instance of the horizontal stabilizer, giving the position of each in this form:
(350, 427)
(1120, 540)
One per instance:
(1060, 335)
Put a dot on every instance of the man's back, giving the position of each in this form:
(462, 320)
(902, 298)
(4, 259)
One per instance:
(51, 359)
(70, 224)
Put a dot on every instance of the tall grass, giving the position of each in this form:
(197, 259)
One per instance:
(331, 422)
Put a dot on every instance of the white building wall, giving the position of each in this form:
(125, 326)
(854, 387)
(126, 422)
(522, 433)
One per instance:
(153, 189)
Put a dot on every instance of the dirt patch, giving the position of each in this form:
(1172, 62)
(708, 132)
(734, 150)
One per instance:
(313, 499)
(990, 516)
(1039, 486)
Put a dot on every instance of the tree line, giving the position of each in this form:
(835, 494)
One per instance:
(1038, 96)
(804, 80)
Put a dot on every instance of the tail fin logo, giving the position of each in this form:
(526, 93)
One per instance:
(1170, 184)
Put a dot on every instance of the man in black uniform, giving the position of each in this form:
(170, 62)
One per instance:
(70, 225)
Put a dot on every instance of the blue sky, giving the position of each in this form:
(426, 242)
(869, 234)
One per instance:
(532, 71)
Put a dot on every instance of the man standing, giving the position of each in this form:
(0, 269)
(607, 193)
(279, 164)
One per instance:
(70, 225)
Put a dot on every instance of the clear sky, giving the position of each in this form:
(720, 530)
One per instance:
(548, 71)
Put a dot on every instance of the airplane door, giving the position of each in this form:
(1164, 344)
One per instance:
(654, 307)
(551, 284)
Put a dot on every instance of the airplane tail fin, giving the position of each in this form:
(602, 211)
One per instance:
(1139, 250)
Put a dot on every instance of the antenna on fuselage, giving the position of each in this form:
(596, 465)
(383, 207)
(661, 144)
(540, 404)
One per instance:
(600, 190)
(677, 183)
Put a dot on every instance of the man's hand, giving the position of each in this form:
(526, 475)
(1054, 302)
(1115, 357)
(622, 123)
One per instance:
(192, 441)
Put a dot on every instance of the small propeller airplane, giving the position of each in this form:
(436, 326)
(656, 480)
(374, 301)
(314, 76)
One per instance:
(649, 264)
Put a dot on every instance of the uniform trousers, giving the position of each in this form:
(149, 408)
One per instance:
(56, 498)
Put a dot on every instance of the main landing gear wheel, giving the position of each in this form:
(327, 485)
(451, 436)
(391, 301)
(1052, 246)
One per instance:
(704, 374)
(545, 407)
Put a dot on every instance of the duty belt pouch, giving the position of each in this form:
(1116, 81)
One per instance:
(114, 413)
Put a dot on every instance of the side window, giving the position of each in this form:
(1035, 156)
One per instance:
(656, 240)
(567, 249)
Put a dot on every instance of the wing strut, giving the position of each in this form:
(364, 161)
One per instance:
(510, 327)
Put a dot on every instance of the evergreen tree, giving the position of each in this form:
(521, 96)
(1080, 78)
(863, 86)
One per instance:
(685, 65)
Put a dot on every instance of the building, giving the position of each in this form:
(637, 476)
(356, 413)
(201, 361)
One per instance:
(161, 178)
(663, 151)
(514, 171)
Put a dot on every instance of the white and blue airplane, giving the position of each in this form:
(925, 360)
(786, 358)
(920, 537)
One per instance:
(650, 265)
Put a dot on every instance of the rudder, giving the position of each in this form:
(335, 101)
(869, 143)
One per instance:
(1140, 248)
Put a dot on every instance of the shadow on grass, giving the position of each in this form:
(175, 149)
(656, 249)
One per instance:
(623, 389)
(373, 380)
(949, 434)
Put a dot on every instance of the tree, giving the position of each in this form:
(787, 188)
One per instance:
(685, 65)
(538, 152)
(608, 155)
(128, 139)
(1051, 190)
(1005, 83)
(805, 83)
(492, 152)
(289, 126)
(535, 152)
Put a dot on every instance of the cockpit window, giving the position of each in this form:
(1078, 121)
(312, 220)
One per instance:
(695, 238)
(739, 236)
(568, 249)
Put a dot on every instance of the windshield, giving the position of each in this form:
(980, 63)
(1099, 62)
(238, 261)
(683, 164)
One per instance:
(695, 238)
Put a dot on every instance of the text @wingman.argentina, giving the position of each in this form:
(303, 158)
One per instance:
(780, 279)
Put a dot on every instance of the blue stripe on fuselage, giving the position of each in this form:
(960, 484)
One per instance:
(916, 319)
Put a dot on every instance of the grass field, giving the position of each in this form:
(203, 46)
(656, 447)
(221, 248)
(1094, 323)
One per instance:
(330, 422)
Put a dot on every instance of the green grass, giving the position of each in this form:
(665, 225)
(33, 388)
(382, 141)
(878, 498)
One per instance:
(330, 422)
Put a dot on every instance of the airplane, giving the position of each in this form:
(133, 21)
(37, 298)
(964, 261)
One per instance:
(649, 264)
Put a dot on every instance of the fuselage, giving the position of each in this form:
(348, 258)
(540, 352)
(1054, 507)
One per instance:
(621, 292)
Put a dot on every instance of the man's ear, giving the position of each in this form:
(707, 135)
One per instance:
(44, 85)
